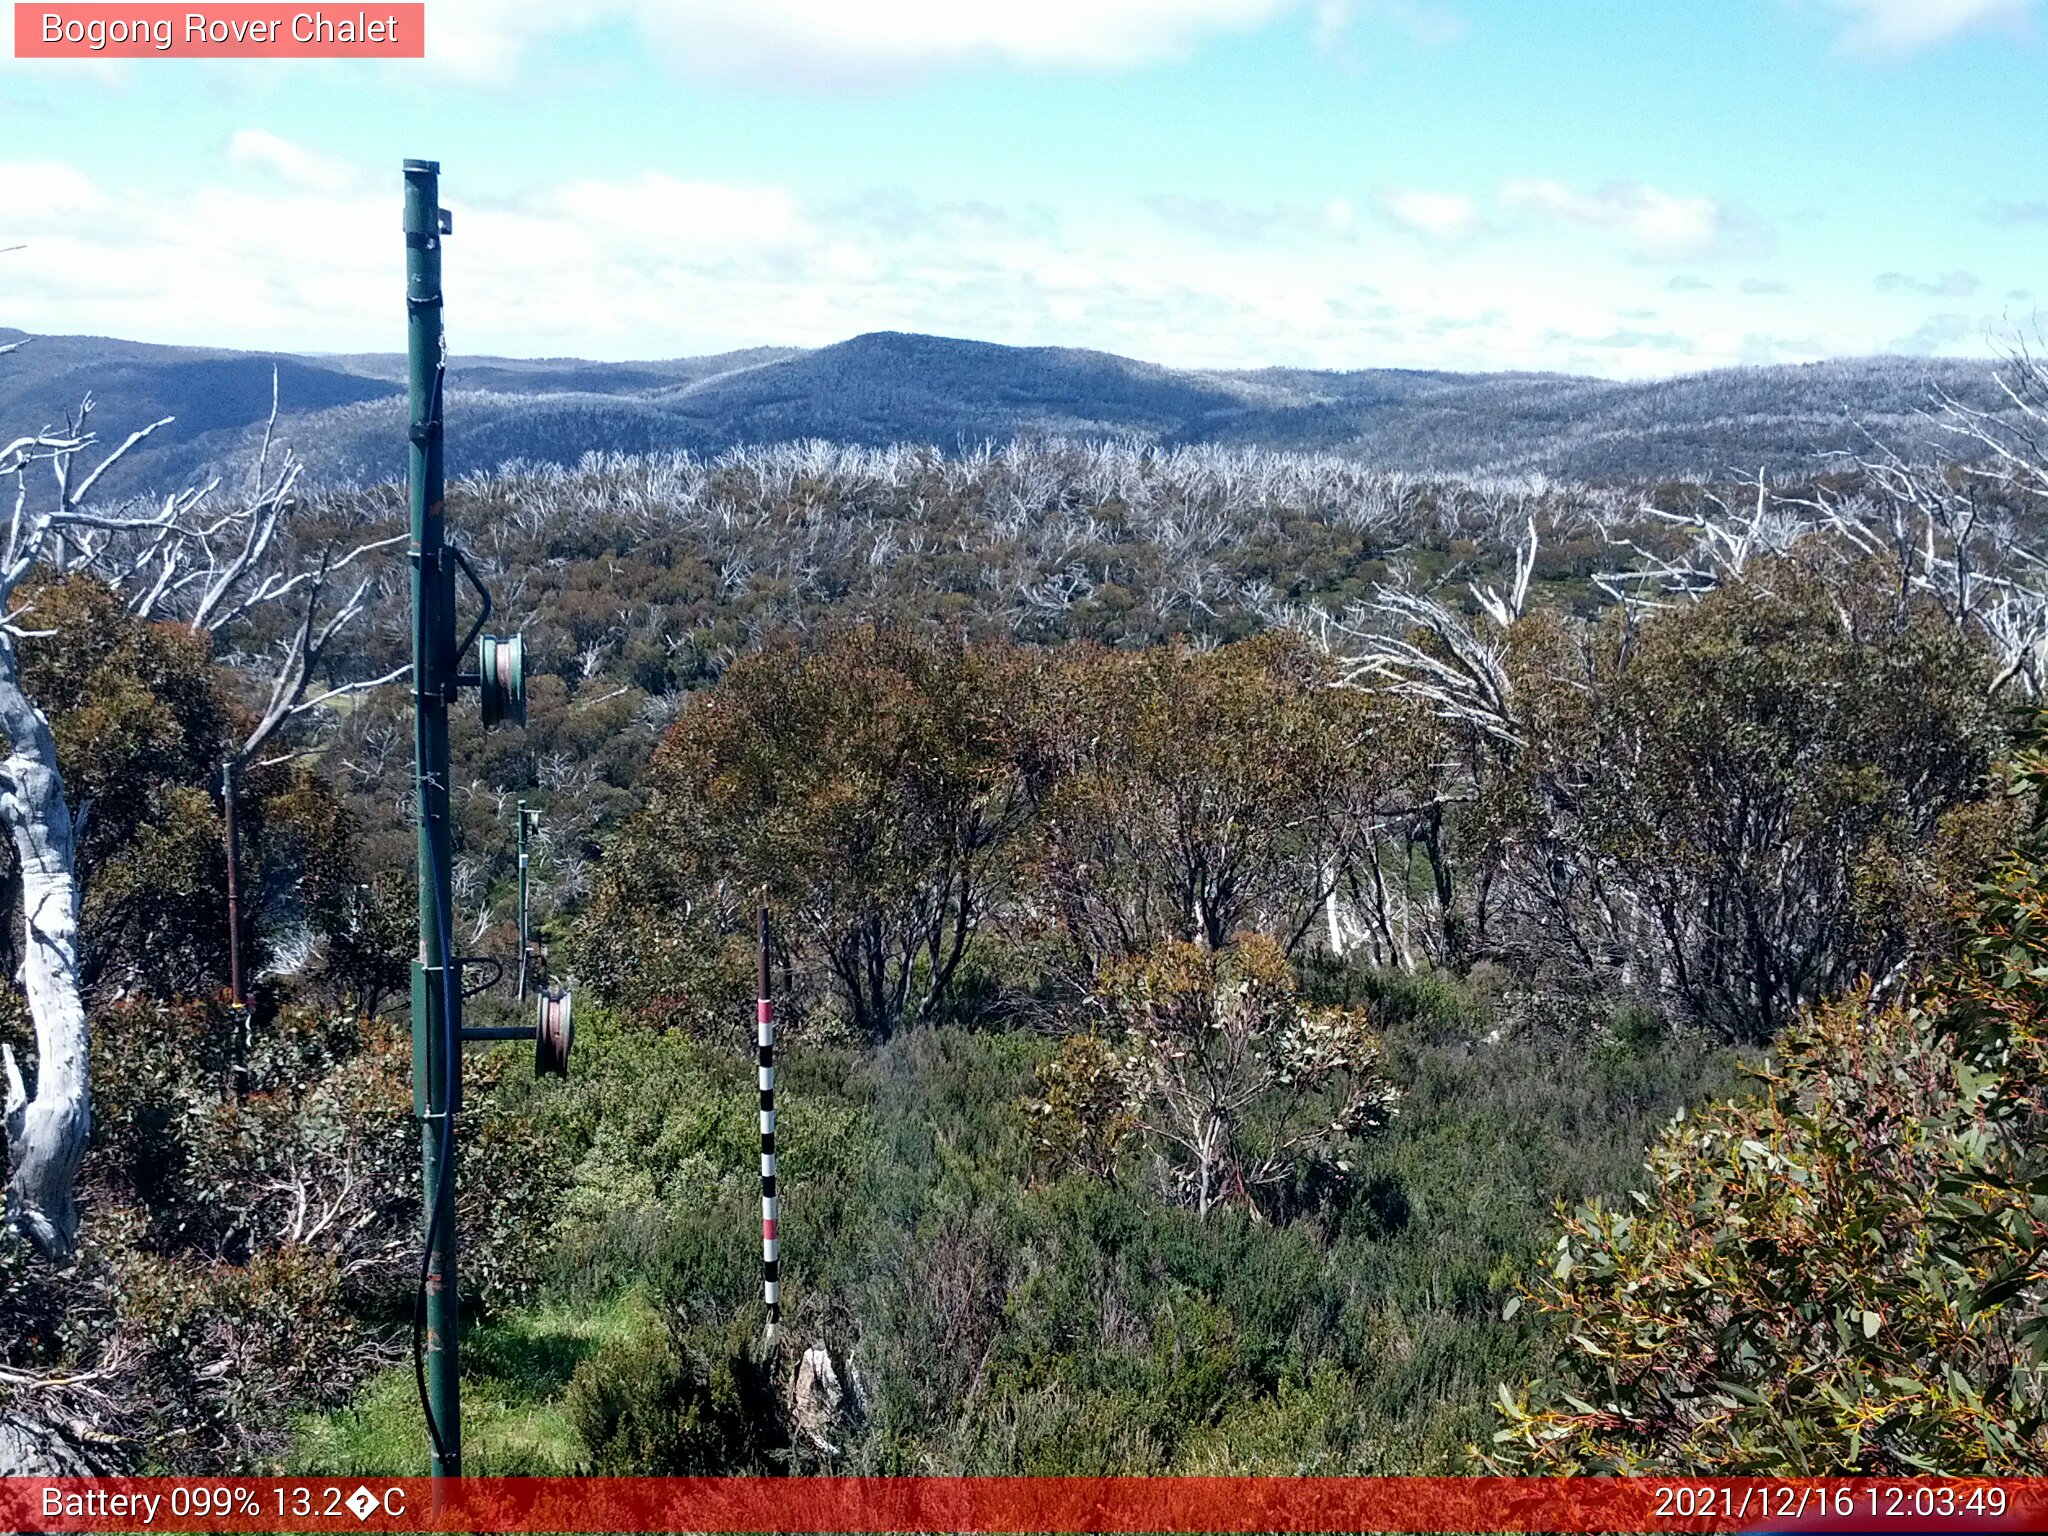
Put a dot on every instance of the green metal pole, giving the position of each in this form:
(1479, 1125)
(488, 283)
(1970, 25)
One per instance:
(436, 1004)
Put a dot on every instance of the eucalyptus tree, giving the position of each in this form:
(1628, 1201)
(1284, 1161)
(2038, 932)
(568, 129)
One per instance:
(1236, 1082)
(1190, 794)
(868, 786)
(1727, 792)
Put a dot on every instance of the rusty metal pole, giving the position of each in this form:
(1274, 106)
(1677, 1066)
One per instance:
(227, 802)
(238, 1002)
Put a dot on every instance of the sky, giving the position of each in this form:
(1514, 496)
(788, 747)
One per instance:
(1628, 188)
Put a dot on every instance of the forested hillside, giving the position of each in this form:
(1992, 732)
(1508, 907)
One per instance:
(1244, 920)
(879, 390)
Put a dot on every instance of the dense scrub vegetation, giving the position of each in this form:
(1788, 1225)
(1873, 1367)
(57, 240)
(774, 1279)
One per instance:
(1223, 903)
(1842, 1271)
(988, 1311)
(1727, 813)
(639, 580)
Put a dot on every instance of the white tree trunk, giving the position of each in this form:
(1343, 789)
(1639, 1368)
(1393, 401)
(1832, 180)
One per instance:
(1337, 944)
(1208, 1145)
(46, 1133)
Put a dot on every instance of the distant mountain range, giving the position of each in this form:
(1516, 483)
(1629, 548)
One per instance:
(345, 415)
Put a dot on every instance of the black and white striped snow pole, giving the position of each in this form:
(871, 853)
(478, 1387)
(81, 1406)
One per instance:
(764, 1021)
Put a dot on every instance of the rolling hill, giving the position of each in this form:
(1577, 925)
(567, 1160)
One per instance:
(345, 413)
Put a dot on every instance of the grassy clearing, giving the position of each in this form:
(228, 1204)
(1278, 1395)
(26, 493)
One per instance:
(516, 1369)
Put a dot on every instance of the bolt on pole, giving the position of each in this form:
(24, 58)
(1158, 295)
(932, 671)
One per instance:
(436, 988)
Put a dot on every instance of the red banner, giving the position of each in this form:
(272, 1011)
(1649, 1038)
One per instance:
(236, 31)
(1023, 1504)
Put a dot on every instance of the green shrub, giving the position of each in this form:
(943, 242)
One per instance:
(1433, 1002)
(659, 1403)
(1841, 1272)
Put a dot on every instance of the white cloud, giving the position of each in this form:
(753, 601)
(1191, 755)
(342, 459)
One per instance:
(1938, 333)
(51, 187)
(1337, 217)
(1447, 217)
(654, 265)
(1425, 22)
(799, 41)
(1901, 26)
(1950, 285)
(655, 215)
(2032, 211)
(48, 195)
(294, 164)
(1657, 225)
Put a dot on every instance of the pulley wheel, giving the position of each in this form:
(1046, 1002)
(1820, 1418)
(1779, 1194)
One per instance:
(556, 1030)
(501, 679)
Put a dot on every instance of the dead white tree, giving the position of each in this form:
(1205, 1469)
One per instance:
(215, 571)
(1505, 608)
(2010, 445)
(46, 1133)
(179, 558)
(1412, 644)
(1942, 532)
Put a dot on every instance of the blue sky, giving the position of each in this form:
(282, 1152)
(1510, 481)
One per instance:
(1622, 187)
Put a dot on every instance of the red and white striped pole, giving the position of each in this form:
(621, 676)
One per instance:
(764, 1020)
